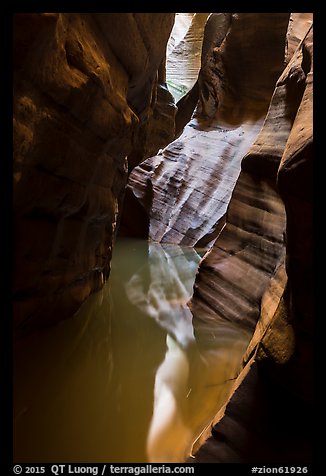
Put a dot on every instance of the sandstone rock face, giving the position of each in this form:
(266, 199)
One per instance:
(181, 25)
(186, 188)
(277, 375)
(295, 182)
(184, 52)
(299, 25)
(235, 273)
(158, 128)
(86, 87)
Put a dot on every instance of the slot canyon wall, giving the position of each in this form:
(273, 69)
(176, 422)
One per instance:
(270, 218)
(89, 92)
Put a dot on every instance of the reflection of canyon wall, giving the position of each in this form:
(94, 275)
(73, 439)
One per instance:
(194, 376)
(189, 384)
(83, 389)
(169, 288)
(88, 89)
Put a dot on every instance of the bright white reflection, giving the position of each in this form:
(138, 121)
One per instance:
(190, 386)
(169, 436)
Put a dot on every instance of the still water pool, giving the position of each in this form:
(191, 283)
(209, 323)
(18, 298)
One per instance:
(124, 380)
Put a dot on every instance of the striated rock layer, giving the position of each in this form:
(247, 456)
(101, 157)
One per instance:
(299, 25)
(184, 56)
(186, 188)
(275, 385)
(87, 89)
(235, 273)
(295, 182)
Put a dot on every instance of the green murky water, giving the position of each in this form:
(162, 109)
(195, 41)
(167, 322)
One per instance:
(124, 380)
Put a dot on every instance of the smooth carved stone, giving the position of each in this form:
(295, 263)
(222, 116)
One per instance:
(295, 182)
(236, 272)
(240, 75)
(267, 150)
(277, 374)
(184, 60)
(246, 428)
(252, 241)
(158, 129)
(83, 85)
(249, 431)
(181, 25)
(216, 29)
(187, 187)
(299, 25)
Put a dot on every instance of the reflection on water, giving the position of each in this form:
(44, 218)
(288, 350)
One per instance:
(124, 380)
(164, 297)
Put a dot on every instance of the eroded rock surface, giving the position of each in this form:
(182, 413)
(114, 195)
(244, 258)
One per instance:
(236, 272)
(299, 25)
(296, 185)
(186, 188)
(85, 90)
(184, 52)
(275, 385)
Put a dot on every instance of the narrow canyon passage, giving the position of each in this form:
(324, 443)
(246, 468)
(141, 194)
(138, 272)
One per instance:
(186, 188)
(163, 274)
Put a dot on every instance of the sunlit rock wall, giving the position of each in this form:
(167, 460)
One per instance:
(186, 188)
(184, 52)
(87, 89)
